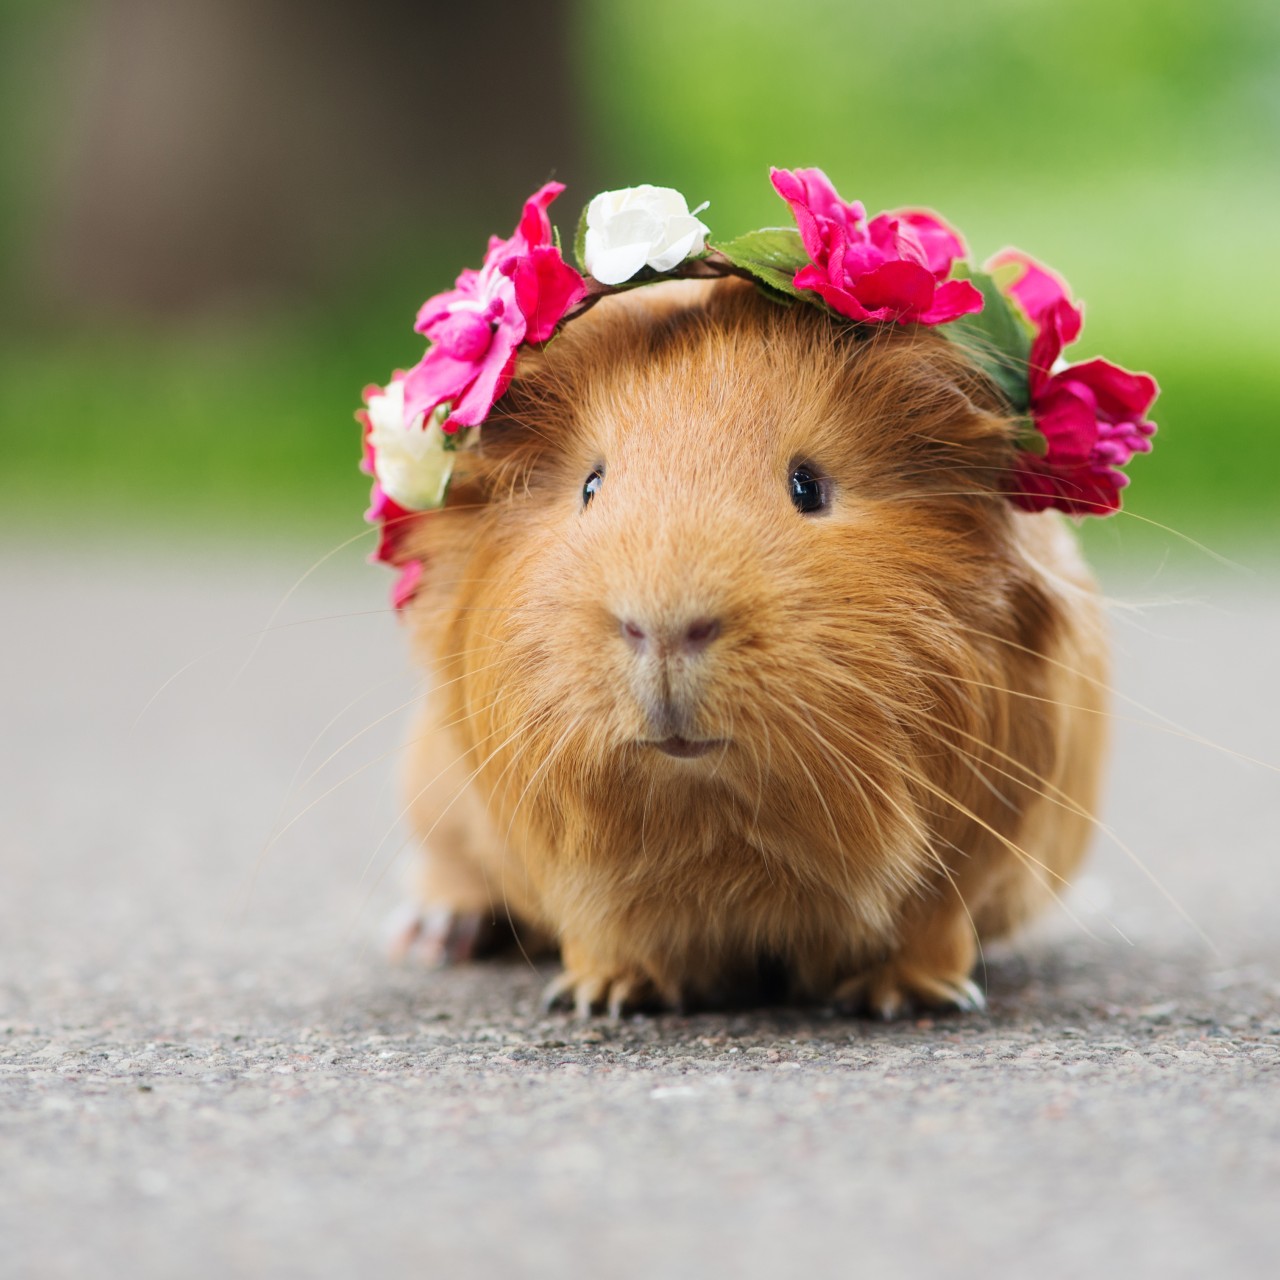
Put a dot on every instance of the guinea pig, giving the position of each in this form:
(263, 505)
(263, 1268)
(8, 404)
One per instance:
(743, 664)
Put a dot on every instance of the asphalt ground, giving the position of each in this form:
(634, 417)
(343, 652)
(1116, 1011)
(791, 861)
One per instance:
(208, 1067)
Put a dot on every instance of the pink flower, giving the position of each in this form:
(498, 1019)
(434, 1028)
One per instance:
(475, 329)
(893, 268)
(1092, 415)
(395, 520)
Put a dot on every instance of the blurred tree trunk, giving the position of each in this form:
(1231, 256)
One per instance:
(209, 150)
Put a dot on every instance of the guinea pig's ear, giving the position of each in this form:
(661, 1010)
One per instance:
(933, 418)
(518, 435)
(531, 363)
(941, 389)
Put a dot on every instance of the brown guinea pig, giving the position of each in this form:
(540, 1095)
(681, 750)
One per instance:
(744, 664)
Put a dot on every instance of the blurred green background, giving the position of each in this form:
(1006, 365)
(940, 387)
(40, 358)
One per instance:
(217, 218)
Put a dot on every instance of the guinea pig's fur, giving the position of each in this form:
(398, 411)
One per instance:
(902, 692)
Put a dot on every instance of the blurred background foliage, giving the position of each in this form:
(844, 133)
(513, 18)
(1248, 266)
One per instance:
(217, 218)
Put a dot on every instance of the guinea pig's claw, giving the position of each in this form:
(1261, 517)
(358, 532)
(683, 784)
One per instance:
(972, 1000)
(558, 994)
(626, 994)
(890, 991)
(588, 996)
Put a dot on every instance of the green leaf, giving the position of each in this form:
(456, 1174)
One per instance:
(996, 338)
(580, 241)
(772, 256)
(1030, 439)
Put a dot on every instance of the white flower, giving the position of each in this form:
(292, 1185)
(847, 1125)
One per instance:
(639, 227)
(413, 461)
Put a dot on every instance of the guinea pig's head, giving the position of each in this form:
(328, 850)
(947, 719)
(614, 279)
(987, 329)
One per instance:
(716, 554)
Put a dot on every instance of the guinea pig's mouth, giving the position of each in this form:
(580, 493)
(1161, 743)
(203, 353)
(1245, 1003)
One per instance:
(685, 748)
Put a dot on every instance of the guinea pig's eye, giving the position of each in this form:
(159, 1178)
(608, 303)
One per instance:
(809, 491)
(592, 486)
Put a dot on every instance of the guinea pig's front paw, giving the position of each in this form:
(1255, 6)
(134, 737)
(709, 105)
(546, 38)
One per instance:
(895, 989)
(440, 936)
(587, 993)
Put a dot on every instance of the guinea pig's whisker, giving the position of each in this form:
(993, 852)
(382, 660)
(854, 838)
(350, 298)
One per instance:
(542, 768)
(423, 836)
(762, 771)
(728, 738)
(520, 730)
(1165, 725)
(973, 764)
(360, 733)
(279, 835)
(947, 728)
(432, 687)
(469, 610)
(965, 811)
(293, 786)
(644, 817)
(258, 634)
(859, 779)
(1123, 512)
(1054, 795)
(853, 773)
(941, 468)
(181, 671)
(324, 795)
(288, 595)
(941, 863)
(459, 792)
(556, 749)
(1204, 549)
(817, 791)
(415, 837)
(418, 684)
(531, 725)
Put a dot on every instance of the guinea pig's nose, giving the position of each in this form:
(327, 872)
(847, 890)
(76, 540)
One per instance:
(691, 638)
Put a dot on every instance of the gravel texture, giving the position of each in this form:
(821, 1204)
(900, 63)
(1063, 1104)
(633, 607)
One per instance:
(207, 1068)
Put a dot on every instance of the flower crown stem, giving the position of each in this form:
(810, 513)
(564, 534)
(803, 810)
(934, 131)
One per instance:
(713, 265)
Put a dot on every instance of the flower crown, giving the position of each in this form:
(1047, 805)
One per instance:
(1080, 422)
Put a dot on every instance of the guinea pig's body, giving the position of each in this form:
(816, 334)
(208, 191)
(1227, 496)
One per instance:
(741, 656)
